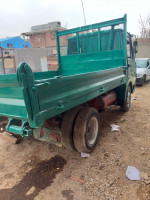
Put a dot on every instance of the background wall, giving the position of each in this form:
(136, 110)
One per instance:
(143, 48)
(32, 57)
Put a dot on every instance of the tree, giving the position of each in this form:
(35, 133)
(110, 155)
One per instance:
(144, 26)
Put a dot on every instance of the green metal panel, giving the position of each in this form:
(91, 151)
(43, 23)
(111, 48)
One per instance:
(88, 43)
(40, 101)
(97, 41)
(83, 63)
(11, 97)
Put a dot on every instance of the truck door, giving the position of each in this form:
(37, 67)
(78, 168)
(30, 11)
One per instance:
(148, 70)
(130, 59)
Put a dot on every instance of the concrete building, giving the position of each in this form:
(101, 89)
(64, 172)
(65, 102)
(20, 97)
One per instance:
(14, 42)
(43, 35)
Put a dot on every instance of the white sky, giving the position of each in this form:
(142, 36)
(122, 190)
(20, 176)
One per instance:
(17, 16)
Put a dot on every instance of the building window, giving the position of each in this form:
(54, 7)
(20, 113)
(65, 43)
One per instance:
(9, 45)
(6, 52)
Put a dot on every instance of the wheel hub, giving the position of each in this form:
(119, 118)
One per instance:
(92, 130)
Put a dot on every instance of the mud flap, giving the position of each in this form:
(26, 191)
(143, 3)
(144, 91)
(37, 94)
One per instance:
(48, 135)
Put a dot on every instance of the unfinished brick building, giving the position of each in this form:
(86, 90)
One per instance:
(44, 35)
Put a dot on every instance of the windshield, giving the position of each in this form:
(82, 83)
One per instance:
(141, 63)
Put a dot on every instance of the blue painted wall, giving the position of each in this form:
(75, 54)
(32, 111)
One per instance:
(17, 42)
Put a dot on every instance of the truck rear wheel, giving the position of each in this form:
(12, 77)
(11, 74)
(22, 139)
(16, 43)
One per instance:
(127, 102)
(86, 129)
(67, 127)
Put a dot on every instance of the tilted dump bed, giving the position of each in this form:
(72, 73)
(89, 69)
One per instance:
(90, 62)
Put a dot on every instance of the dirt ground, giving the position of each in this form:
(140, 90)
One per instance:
(40, 171)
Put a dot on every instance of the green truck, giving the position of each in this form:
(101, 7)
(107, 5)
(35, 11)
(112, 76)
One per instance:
(96, 68)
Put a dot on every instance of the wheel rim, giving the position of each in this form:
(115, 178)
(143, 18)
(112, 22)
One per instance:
(92, 131)
(128, 99)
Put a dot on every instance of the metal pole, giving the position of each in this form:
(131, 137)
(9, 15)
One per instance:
(58, 52)
(78, 45)
(2, 60)
(83, 13)
(124, 39)
(99, 40)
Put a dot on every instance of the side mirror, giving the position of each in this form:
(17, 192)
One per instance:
(135, 46)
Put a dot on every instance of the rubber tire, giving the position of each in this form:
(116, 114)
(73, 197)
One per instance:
(142, 83)
(68, 126)
(19, 139)
(81, 128)
(125, 107)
